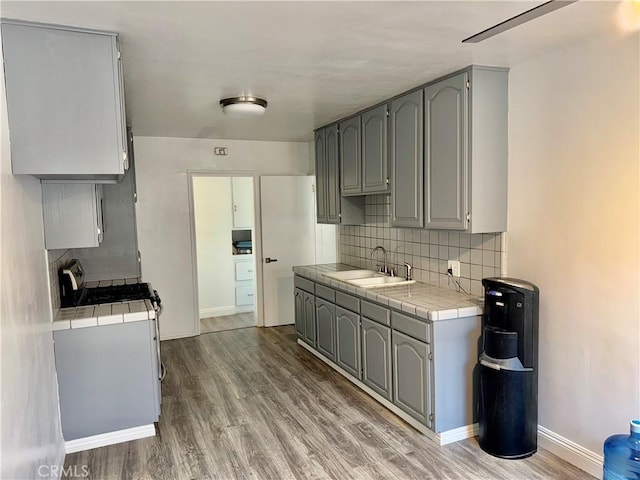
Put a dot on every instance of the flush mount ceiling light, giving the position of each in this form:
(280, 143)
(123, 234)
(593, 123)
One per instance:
(243, 106)
(524, 17)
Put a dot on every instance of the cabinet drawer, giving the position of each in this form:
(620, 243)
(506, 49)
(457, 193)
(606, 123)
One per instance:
(411, 326)
(244, 295)
(244, 271)
(375, 312)
(325, 292)
(303, 284)
(348, 301)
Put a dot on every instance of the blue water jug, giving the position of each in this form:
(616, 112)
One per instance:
(622, 455)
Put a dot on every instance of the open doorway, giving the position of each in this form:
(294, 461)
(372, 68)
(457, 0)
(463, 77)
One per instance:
(225, 234)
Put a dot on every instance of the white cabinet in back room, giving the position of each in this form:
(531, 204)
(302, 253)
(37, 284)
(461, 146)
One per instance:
(72, 214)
(242, 200)
(244, 282)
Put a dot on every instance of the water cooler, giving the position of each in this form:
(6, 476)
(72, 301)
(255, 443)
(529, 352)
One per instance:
(508, 386)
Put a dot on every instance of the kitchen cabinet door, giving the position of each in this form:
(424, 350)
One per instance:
(326, 328)
(242, 199)
(332, 156)
(64, 102)
(406, 138)
(412, 376)
(309, 307)
(298, 298)
(376, 357)
(72, 215)
(348, 341)
(321, 176)
(375, 178)
(446, 136)
(350, 157)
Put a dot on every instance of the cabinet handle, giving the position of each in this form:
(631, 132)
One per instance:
(235, 208)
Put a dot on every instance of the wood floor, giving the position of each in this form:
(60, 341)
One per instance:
(227, 322)
(252, 404)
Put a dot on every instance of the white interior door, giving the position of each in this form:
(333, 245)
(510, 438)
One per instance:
(288, 239)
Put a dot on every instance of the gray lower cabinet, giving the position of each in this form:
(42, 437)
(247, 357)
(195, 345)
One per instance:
(326, 328)
(412, 376)
(376, 357)
(107, 378)
(348, 341)
(298, 299)
(65, 102)
(309, 309)
(72, 215)
(406, 150)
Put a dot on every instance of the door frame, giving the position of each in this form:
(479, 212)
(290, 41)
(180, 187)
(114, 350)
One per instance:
(257, 239)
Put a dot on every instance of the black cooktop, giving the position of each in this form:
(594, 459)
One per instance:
(114, 293)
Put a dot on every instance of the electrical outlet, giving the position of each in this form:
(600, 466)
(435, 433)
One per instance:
(454, 266)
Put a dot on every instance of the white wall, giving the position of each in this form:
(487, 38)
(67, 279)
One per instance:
(574, 230)
(163, 209)
(212, 201)
(31, 442)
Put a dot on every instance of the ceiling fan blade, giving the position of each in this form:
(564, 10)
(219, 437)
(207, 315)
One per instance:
(523, 17)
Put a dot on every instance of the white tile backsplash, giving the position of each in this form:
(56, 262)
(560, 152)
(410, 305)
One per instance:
(480, 255)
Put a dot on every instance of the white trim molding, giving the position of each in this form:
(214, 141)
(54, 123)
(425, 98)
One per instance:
(104, 439)
(573, 453)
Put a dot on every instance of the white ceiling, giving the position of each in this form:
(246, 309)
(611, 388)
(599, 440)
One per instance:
(313, 61)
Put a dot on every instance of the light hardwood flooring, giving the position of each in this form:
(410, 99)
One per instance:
(252, 404)
(227, 322)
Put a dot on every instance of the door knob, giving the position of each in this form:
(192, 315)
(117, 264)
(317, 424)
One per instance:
(269, 260)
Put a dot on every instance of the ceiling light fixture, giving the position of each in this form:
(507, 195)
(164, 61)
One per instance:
(243, 106)
(524, 17)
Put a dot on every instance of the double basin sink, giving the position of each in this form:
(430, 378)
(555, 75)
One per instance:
(367, 278)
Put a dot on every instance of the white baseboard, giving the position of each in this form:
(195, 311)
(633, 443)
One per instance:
(104, 439)
(573, 453)
(217, 311)
(222, 311)
(457, 434)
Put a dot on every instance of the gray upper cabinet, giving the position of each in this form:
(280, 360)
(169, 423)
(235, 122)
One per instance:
(412, 376)
(321, 176)
(326, 328)
(333, 174)
(350, 157)
(375, 178)
(331, 208)
(466, 151)
(72, 214)
(406, 150)
(376, 357)
(65, 102)
(363, 153)
(446, 166)
(348, 341)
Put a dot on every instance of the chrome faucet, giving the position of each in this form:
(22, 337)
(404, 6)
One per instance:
(409, 271)
(382, 269)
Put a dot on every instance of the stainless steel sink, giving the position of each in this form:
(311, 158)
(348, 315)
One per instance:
(351, 274)
(367, 278)
(380, 281)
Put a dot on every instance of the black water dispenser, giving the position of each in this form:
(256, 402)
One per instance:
(508, 386)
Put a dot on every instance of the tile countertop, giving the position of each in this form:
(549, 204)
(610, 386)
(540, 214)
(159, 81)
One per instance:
(419, 299)
(104, 314)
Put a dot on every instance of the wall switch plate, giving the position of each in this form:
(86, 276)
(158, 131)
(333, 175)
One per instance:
(454, 265)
